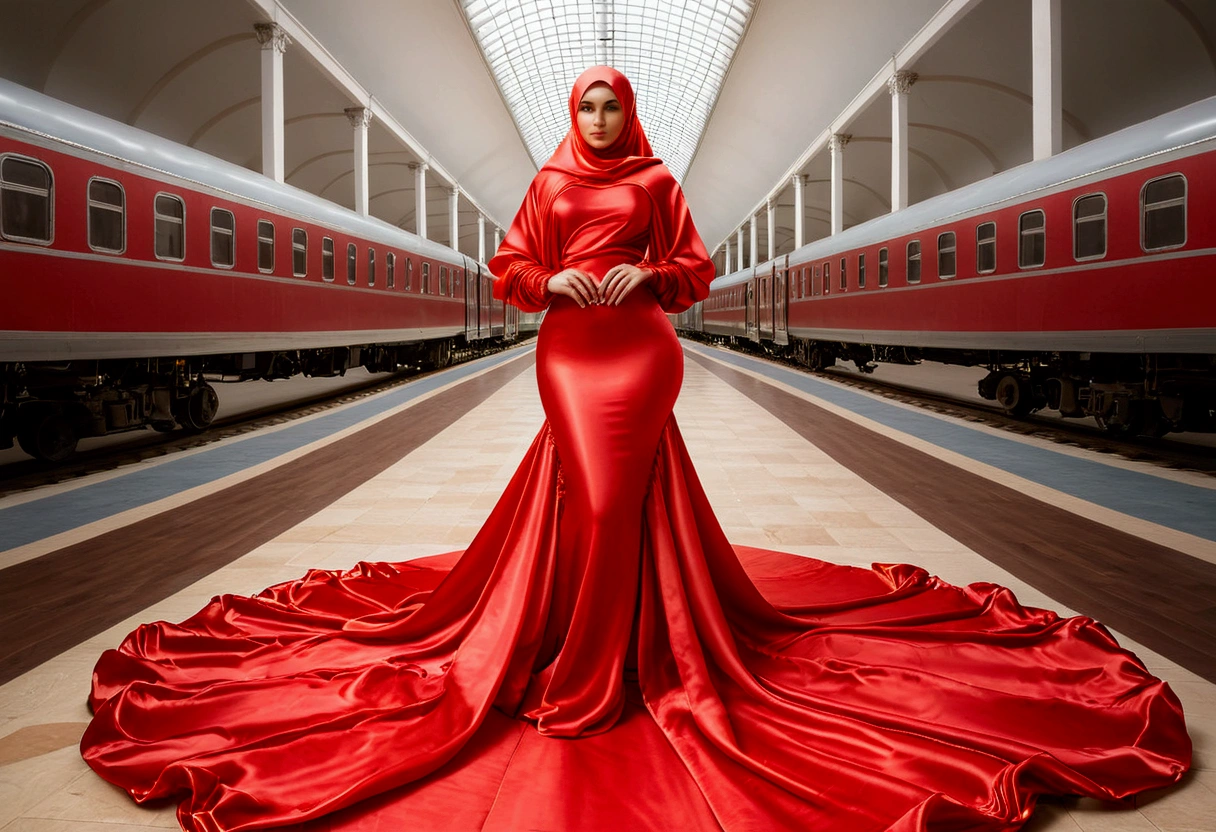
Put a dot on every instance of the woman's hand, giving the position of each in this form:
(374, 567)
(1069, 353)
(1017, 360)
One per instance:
(619, 281)
(576, 284)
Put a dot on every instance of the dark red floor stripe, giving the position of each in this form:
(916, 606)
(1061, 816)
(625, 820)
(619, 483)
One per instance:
(54, 602)
(1158, 596)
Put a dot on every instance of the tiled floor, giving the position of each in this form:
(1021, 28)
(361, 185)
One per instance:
(769, 487)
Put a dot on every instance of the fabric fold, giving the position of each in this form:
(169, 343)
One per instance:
(903, 703)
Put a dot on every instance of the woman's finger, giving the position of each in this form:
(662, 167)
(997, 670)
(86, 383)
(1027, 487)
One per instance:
(609, 284)
(586, 286)
(626, 287)
(610, 279)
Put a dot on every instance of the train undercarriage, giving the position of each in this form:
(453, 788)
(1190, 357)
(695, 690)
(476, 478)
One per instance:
(47, 408)
(1126, 394)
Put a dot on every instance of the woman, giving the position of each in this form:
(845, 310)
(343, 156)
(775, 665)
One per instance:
(602, 601)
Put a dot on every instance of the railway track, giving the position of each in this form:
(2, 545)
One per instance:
(146, 444)
(1164, 451)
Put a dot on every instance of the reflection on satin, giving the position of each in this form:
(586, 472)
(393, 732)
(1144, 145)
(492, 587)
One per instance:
(600, 656)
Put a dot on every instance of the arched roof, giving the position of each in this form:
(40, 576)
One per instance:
(801, 70)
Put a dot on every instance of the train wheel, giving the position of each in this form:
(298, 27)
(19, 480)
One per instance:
(47, 434)
(1013, 394)
(201, 404)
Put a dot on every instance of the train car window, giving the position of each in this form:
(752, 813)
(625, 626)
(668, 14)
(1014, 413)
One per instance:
(26, 206)
(327, 259)
(223, 238)
(443, 280)
(1163, 213)
(299, 252)
(816, 287)
(883, 268)
(1032, 239)
(390, 266)
(265, 246)
(352, 263)
(985, 248)
(169, 227)
(1089, 227)
(914, 261)
(371, 266)
(844, 274)
(426, 278)
(107, 216)
(409, 274)
(861, 271)
(827, 278)
(947, 255)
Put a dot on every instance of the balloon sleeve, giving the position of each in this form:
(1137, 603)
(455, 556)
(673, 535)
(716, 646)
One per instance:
(522, 277)
(681, 265)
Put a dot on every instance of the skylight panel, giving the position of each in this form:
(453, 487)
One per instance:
(676, 53)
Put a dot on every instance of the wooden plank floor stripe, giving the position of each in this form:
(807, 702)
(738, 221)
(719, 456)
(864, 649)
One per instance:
(54, 602)
(1158, 596)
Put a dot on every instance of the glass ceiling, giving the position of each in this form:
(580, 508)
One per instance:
(676, 53)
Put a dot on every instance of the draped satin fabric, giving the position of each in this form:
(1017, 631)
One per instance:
(601, 657)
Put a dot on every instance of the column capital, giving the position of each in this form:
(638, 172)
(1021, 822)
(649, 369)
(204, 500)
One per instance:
(272, 36)
(358, 116)
(901, 82)
(419, 166)
(837, 141)
(798, 180)
(454, 190)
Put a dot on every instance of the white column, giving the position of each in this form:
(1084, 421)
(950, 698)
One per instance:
(497, 239)
(754, 253)
(481, 237)
(360, 118)
(454, 218)
(419, 198)
(739, 246)
(274, 43)
(726, 264)
(1045, 41)
(898, 85)
(836, 145)
(799, 209)
(771, 209)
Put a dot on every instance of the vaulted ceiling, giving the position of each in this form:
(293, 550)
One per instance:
(191, 72)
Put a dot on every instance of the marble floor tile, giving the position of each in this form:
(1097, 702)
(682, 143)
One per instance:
(769, 487)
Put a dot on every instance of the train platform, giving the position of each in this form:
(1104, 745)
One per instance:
(789, 461)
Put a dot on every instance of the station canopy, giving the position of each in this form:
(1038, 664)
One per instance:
(675, 52)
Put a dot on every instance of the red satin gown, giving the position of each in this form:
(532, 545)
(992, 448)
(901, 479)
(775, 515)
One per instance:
(708, 687)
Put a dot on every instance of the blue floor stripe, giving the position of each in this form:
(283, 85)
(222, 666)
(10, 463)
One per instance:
(38, 519)
(1187, 508)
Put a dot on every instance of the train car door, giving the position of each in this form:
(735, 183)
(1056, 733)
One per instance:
(766, 307)
(484, 303)
(472, 280)
(781, 323)
(510, 328)
(753, 330)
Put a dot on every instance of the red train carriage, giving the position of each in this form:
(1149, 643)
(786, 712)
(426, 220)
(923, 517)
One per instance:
(1086, 283)
(130, 266)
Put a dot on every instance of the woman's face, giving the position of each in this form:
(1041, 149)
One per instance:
(600, 117)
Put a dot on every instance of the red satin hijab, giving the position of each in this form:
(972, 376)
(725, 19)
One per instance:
(628, 154)
(533, 251)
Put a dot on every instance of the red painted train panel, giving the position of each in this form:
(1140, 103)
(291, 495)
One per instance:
(68, 287)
